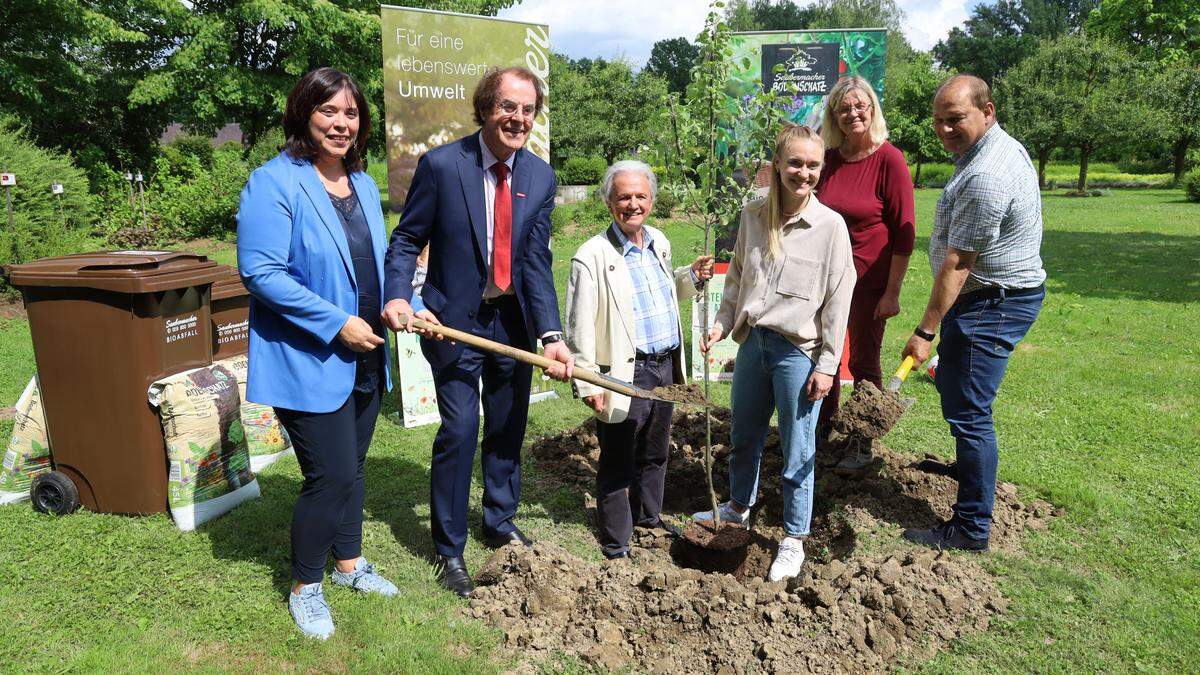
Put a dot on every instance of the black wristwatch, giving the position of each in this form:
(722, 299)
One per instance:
(551, 339)
(928, 337)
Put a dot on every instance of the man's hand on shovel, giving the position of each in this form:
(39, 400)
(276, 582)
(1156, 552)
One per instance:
(398, 316)
(558, 351)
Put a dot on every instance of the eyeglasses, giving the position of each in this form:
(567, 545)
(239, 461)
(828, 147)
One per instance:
(853, 109)
(510, 109)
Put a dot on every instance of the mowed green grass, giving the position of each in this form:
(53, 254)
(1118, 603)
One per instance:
(1097, 414)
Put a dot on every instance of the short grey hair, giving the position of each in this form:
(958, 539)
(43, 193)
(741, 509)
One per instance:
(630, 166)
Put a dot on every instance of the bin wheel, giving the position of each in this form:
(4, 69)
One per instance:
(54, 493)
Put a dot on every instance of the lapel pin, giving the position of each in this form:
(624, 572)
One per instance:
(520, 194)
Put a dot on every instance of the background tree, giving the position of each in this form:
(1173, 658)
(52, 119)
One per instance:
(672, 60)
(997, 36)
(1175, 97)
(908, 111)
(601, 107)
(1027, 105)
(750, 15)
(1161, 31)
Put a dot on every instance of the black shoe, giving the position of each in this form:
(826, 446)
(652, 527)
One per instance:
(670, 529)
(498, 540)
(945, 537)
(616, 556)
(936, 466)
(452, 575)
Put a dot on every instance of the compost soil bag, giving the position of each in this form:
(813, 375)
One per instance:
(28, 452)
(208, 462)
(266, 439)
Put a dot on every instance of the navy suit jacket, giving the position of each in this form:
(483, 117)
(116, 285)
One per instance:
(445, 207)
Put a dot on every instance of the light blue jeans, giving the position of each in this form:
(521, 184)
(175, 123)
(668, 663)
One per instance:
(769, 375)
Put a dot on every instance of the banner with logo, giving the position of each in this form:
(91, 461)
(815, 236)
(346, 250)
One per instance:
(808, 62)
(431, 63)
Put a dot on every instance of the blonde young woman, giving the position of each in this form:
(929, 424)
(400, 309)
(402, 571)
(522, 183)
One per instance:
(866, 181)
(787, 296)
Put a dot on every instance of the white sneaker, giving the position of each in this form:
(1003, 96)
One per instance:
(788, 561)
(728, 514)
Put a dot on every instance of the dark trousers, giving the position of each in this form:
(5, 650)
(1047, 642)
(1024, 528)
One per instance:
(332, 451)
(505, 410)
(978, 336)
(633, 461)
(866, 340)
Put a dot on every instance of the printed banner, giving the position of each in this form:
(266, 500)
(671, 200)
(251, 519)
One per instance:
(720, 359)
(431, 64)
(811, 60)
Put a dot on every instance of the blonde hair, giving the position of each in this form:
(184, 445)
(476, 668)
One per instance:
(773, 217)
(831, 132)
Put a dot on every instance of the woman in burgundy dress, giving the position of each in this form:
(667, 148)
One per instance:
(866, 180)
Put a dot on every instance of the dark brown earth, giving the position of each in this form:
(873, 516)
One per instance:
(864, 600)
(869, 413)
(687, 394)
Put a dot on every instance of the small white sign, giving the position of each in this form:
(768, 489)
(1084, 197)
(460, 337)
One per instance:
(8, 179)
(128, 176)
(139, 177)
(56, 188)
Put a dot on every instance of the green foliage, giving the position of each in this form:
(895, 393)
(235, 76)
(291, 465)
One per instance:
(180, 152)
(664, 204)
(935, 174)
(601, 107)
(1191, 185)
(582, 171)
(908, 111)
(998, 36)
(672, 60)
(1175, 96)
(1162, 31)
(44, 224)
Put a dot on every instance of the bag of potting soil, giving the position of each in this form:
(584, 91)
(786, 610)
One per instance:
(209, 467)
(266, 438)
(28, 452)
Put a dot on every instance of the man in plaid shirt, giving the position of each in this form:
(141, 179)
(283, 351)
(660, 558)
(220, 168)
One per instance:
(988, 288)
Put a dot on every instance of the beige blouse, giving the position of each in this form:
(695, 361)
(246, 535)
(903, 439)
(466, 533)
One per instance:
(804, 295)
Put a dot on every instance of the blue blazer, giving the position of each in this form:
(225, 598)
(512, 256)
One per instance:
(295, 261)
(445, 207)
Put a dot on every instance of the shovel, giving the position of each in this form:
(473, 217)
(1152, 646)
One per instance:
(871, 413)
(591, 377)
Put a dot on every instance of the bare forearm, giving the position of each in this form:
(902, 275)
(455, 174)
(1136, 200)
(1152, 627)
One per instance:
(946, 286)
(896, 275)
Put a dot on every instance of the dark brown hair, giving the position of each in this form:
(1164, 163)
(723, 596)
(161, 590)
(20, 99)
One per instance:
(316, 87)
(484, 98)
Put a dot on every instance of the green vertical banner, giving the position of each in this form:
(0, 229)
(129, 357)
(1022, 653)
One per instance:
(431, 63)
(807, 62)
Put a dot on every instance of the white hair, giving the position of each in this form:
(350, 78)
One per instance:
(631, 166)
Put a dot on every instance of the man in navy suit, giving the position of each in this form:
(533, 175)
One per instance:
(483, 204)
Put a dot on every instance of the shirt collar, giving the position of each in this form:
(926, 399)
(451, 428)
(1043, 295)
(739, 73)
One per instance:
(987, 137)
(627, 244)
(488, 159)
(804, 215)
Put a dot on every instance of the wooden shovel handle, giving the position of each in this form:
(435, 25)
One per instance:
(521, 355)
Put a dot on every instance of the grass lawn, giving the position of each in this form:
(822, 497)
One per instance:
(1097, 414)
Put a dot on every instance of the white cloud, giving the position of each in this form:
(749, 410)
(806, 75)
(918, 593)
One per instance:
(629, 28)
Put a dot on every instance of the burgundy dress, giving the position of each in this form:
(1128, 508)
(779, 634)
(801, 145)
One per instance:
(875, 197)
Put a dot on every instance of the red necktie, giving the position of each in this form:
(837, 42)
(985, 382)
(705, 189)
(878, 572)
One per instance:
(502, 230)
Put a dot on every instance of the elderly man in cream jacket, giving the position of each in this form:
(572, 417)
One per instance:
(623, 319)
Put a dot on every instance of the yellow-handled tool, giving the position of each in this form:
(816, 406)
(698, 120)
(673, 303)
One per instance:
(901, 374)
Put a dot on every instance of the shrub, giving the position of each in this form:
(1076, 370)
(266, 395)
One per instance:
(188, 155)
(44, 224)
(933, 174)
(1191, 185)
(664, 204)
(582, 170)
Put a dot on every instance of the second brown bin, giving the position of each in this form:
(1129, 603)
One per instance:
(230, 316)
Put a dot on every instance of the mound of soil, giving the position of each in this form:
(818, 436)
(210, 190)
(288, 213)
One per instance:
(687, 394)
(869, 413)
(864, 598)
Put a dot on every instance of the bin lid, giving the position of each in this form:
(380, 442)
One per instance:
(119, 271)
(229, 286)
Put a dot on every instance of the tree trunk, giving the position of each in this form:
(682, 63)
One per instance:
(1043, 157)
(1181, 148)
(1085, 152)
(917, 178)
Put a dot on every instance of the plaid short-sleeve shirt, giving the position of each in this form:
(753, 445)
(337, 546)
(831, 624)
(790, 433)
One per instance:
(992, 205)
(654, 313)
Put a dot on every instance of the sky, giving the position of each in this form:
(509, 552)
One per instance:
(629, 28)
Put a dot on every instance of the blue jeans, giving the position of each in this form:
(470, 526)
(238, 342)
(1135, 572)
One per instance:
(978, 336)
(769, 375)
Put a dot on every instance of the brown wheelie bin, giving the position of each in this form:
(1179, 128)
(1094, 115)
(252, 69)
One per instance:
(230, 316)
(104, 327)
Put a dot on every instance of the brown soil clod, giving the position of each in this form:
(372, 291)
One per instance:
(685, 394)
(864, 600)
(870, 413)
(724, 549)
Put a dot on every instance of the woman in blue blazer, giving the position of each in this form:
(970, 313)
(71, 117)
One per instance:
(310, 250)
